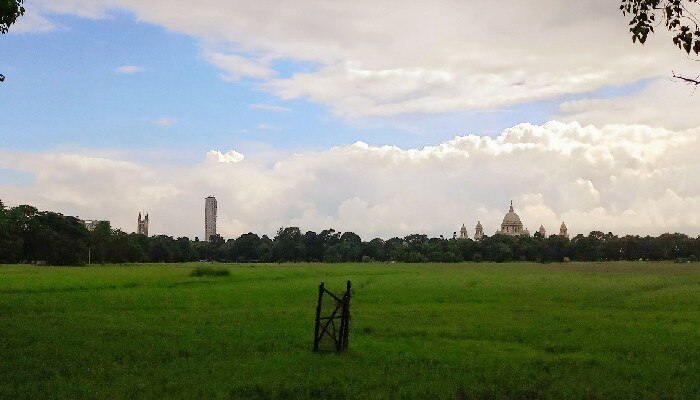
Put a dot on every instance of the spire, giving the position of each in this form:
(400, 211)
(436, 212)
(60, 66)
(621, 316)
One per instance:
(511, 206)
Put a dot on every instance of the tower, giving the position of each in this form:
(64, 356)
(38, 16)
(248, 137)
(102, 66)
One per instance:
(463, 232)
(479, 231)
(142, 228)
(563, 232)
(542, 231)
(209, 218)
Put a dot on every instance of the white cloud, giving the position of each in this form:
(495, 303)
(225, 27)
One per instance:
(32, 22)
(662, 103)
(619, 178)
(373, 58)
(230, 157)
(237, 67)
(164, 121)
(268, 107)
(266, 127)
(128, 69)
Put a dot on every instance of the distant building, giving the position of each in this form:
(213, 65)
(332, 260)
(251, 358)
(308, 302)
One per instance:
(479, 234)
(209, 218)
(563, 232)
(463, 232)
(142, 228)
(511, 224)
(90, 224)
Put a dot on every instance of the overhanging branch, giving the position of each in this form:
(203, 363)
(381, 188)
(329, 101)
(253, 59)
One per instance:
(691, 81)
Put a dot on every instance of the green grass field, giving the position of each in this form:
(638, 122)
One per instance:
(464, 331)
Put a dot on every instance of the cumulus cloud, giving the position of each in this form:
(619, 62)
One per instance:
(226, 158)
(619, 178)
(371, 58)
(128, 69)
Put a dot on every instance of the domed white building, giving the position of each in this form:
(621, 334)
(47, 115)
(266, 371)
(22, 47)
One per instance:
(511, 224)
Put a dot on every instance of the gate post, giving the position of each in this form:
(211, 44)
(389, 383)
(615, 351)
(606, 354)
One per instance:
(318, 316)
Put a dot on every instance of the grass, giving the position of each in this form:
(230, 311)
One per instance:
(209, 271)
(454, 331)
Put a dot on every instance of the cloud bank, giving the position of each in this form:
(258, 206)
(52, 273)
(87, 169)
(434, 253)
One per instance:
(620, 178)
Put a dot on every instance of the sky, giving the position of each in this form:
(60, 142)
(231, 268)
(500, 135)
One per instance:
(379, 117)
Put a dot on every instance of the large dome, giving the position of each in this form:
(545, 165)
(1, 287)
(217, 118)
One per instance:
(512, 218)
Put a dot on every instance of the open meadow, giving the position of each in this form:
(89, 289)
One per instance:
(430, 331)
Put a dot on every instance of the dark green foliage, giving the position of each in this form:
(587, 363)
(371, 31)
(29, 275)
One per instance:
(10, 10)
(209, 271)
(678, 16)
(28, 235)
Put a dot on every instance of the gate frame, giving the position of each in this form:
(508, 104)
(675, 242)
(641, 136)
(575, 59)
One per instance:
(339, 337)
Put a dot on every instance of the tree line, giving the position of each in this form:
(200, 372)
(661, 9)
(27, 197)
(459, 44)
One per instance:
(28, 235)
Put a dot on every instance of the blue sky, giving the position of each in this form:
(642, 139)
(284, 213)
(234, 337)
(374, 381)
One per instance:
(62, 92)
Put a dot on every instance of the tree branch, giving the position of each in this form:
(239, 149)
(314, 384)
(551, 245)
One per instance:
(691, 81)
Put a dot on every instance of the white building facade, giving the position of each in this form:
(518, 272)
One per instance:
(209, 218)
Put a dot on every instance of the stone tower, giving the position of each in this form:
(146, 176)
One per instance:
(142, 228)
(463, 232)
(543, 232)
(479, 231)
(209, 218)
(563, 232)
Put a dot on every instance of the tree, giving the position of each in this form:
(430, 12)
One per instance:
(678, 16)
(10, 10)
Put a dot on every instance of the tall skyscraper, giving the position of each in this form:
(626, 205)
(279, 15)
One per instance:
(143, 225)
(209, 218)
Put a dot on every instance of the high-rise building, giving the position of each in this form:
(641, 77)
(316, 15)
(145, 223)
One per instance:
(142, 228)
(209, 218)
